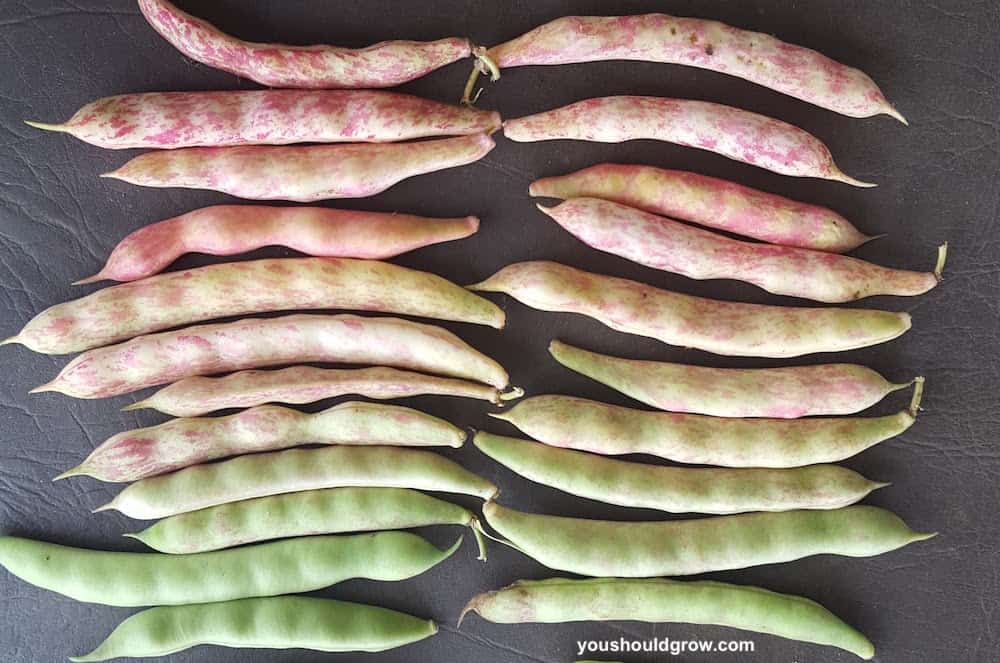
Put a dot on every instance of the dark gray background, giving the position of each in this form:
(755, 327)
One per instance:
(937, 62)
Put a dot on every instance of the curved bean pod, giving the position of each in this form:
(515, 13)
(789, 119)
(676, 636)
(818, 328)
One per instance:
(301, 173)
(156, 359)
(173, 299)
(577, 423)
(309, 512)
(734, 133)
(196, 396)
(709, 201)
(726, 328)
(784, 393)
(267, 117)
(178, 443)
(385, 64)
(225, 230)
(283, 567)
(671, 246)
(660, 600)
(294, 470)
(282, 622)
(608, 548)
(677, 489)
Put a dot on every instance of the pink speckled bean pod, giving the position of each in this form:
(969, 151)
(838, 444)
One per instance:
(726, 328)
(225, 230)
(300, 173)
(256, 286)
(662, 243)
(777, 393)
(708, 201)
(737, 134)
(267, 117)
(157, 359)
(146, 452)
(793, 70)
(196, 396)
(385, 64)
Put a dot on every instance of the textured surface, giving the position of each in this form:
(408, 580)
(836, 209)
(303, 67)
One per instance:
(938, 63)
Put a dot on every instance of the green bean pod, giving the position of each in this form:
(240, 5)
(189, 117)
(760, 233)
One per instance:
(578, 423)
(685, 547)
(678, 489)
(660, 600)
(294, 470)
(283, 567)
(281, 622)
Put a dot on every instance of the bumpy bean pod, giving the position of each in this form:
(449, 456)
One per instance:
(278, 472)
(677, 489)
(225, 230)
(178, 443)
(726, 328)
(686, 547)
(267, 117)
(196, 396)
(300, 173)
(282, 622)
(269, 569)
(734, 133)
(671, 246)
(206, 349)
(708, 201)
(660, 600)
(577, 423)
(386, 64)
(173, 299)
(785, 393)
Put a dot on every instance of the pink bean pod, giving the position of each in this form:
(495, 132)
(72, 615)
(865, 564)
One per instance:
(166, 357)
(708, 201)
(225, 230)
(725, 328)
(385, 64)
(775, 393)
(256, 286)
(662, 243)
(760, 58)
(178, 443)
(300, 173)
(737, 134)
(169, 120)
(298, 385)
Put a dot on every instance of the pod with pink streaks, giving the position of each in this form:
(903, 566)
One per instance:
(300, 173)
(662, 243)
(734, 133)
(385, 64)
(166, 357)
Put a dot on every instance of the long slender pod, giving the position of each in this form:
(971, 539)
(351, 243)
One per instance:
(734, 133)
(385, 64)
(660, 600)
(710, 202)
(269, 569)
(787, 393)
(178, 298)
(294, 470)
(577, 423)
(166, 357)
(178, 443)
(677, 489)
(726, 328)
(608, 548)
(301, 173)
(225, 230)
(671, 246)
